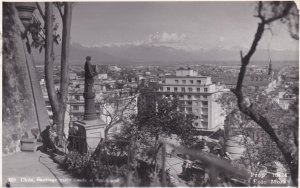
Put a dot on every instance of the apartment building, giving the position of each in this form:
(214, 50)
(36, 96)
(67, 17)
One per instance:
(285, 99)
(198, 96)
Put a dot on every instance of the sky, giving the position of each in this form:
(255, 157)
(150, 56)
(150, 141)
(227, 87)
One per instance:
(183, 25)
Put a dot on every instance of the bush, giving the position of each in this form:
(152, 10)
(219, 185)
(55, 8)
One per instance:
(109, 170)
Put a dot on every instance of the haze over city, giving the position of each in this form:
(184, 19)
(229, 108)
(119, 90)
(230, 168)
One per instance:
(168, 32)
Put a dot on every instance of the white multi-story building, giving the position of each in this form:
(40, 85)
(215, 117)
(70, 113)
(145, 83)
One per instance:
(285, 99)
(198, 96)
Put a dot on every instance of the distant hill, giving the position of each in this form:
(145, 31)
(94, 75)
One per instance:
(149, 54)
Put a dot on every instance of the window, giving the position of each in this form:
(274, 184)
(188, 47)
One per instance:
(161, 88)
(190, 89)
(181, 96)
(189, 96)
(168, 88)
(189, 109)
(204, 110)
(163, 81)
(75, 107)
(77, 86)
(77, 97)
(196, 124)
(167, 95)
(198, 96)
(205, 103)
(198, 89)
(182, 89)
(205, 96)
(189, 102)
(205, 89)
(176, 81)
(198, 81)
(175, 89)
(184, 81)
(191, 81)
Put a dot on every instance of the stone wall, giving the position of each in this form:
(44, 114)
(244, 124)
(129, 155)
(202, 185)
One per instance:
(23, 107)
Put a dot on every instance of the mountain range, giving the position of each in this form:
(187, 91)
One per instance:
(145, 54)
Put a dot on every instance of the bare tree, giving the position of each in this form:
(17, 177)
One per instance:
(58, 99)
(116, 107)
(267, 12)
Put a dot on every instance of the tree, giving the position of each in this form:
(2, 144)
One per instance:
(269, 12)
(151, 126)
(58, 100)
(46, 37)
(116, 108)
(166, 120)
(259, 149)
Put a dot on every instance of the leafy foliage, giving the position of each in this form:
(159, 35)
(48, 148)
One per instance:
(273, 9)
(260, 150)
(163, 122)
(37, 32)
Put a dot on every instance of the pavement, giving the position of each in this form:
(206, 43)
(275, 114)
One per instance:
(35, 169)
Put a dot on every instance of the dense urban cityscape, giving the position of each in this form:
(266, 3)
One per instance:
(150, 113)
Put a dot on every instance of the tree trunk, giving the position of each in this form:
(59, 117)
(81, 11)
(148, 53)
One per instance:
(58, 100)
(49, 58)
(106, 133)
(58, 119)
(64, 81)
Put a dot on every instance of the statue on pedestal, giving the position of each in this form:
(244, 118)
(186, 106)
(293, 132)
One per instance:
(91, 128)
(89, 95)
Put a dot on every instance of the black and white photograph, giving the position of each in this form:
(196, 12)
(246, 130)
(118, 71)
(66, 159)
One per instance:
(150, 94)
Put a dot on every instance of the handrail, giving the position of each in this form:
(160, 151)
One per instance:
(212, 161)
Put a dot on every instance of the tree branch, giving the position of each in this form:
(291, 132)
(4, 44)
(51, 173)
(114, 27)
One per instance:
(40, 11)
(283, 14)
(118, 114)
(259, 11)
(59, 10)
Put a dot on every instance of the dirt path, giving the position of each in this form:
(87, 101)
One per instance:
(35, 169)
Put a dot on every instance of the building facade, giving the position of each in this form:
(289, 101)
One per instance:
(285, 99)
(197, 95)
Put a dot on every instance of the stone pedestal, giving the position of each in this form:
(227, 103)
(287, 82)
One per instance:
(94, 131)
